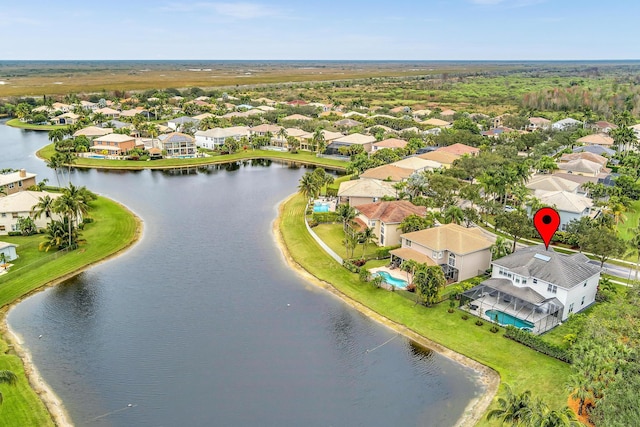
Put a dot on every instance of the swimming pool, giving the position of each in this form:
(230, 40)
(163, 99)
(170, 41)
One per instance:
(398, 283)
(507, 319)
(321, 207)
(95, 156)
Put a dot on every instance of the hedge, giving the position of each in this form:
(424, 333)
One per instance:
(537, 343)
(321, 217)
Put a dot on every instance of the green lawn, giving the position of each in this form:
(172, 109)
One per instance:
(301, 156)
(630, 221)
(16, 123)
(114, 229)
(517, 365)
(333, 235)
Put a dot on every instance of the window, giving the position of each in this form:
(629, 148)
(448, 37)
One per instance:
(11, 185)
(14, 214)
(20, 184)
(571, 308)
(436, 254)
(509, 275)
(585, 285)
(452, 260)
(2, 228)
(524, 281)
(552, 288)
(517, 279)
(14, 227)
(4, 215)
(535, 281)
(582, 302)
(407, 242)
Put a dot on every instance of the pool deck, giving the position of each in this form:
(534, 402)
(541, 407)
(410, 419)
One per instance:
(396, 273)
(329, 200)
(490, 303)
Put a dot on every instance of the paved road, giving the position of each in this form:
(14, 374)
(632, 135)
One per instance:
(616, 270)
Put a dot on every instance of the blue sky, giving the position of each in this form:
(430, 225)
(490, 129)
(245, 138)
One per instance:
(327, 29)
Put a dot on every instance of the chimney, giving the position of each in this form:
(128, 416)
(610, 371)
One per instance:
(23, 173)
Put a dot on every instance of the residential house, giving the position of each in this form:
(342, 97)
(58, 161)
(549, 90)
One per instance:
(295, 117)
(416, 164)
(420, 114)
(361, 191)
(595, 149)
(536, 123)
(214, 138)
(437, 123)
(385, 218)
(65, 119)
(9, 252)
(92, 132)
(442, 157)
(178, 123)
(462, 252)
(265, 108)
(203, 116)
(604, 127)
(347, 123)
(353, 113)
(400, 110)
(494, 133)
(113, 144)
(552, 183)
(91, 106)
(265, 129)
(354, 139)
(569, 205)
(20, 205)
(586, 156)
(307, 141)
(59, 106)
(392, 143)
(389, 173)
(535, 288)
(176, 144)
(582, 167)
(597, 139)
(460, 149)
(14, 182)
(498, 121)
(566, 124)
(109, 113)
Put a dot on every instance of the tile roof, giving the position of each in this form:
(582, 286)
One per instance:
(113, 137)
(416, 163)
(435, 122)
(391, 212)
(581, 165)
(387, 172)
(597, 139)
(440, 156)
(451, 237)
(408, 253)
(8, 178)
(93, 131)
(551, 183)
(459, 149)
(23, 201)
(595, 149)
(564, 200)
(566, 271)
(366, 188)
(390, 143)
(586, 156)
(356, 138)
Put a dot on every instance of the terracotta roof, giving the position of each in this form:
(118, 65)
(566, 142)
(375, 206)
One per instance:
(296, 117)
(539, 121)
(451, 237)
(597, 139)
(113, 137)
(408, 253)
(586, 156)
(459, 149)
(441, 157)
(391, 212)
(435, 122)
(387, 172)
(366, 188)
(390, 143)
(274, 129)
(416, 163)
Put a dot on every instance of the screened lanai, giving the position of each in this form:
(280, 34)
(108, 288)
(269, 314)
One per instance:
(498, 299)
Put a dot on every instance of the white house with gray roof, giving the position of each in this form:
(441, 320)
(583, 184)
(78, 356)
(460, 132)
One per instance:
(215, 137)
(535, 288)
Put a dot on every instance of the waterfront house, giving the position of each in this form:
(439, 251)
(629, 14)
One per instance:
(361, 191)
(389, 173)
(214, 138)
(17, 205)
(14, 182)
(307, 140)
(9, 252)
(113, 144)
(92, 132)
(462, 252)
(535, 288)
(385, 218)
(354, 139)
(176, 144)
(178, 123)
(65, 119)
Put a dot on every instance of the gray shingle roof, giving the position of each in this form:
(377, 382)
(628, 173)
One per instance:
(524, 293)
(566, 271)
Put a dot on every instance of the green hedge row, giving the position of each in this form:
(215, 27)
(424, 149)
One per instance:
(537, 343)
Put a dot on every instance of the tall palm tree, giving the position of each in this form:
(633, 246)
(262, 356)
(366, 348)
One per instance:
(409, 266)
(7, 377)
(56, 135)
(282, 134)
(68, 158)
(73, 202)
(309, 186)
(346, 214)
(55, 162)
(453, 214)
(45, 206)
(367, 236)
(317, 140)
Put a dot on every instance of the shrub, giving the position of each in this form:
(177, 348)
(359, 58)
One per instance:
(479, 322)
(450, 310)
(14, 233)
(87, 220)
(350, 266)
(364, 275)
(325, 216)
(464, 316)
(359, 262)
(494, 329)
(537, 343)
(312, 223)
(384, 252)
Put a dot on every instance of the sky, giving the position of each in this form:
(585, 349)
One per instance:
(326, 29)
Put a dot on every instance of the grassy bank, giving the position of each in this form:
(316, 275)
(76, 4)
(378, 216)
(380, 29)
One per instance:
(114, 229)
(517, 365)
(16, 123)
(301, 156)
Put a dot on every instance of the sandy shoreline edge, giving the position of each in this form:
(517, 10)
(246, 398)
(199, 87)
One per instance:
(52, 402)
(476, 409)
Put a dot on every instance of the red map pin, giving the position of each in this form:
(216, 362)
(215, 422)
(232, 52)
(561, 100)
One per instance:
(547, 221)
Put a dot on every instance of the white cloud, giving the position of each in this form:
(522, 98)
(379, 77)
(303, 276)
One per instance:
(242, 10)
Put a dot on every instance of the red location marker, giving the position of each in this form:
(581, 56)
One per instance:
(547, 221)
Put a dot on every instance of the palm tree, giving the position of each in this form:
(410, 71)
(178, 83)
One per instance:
(45, 205)
(68, 158)
(55, 162)
(543, 416)
(367, 236)
(309, 186)
(409, 266)
(578, 386)
(453, 214)
(546, 164)
(73, 202)
(500, 248)
(634, 244)
(317, 140)
(513, 409)
(346, 214)
(56, 135)
(282, 134)
(7, 377)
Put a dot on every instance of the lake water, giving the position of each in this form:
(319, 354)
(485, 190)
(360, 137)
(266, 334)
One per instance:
(203, 324)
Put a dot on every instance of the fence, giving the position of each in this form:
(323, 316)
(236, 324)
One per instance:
(322, 244)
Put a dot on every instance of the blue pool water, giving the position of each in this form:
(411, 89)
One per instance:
(507, 319)
(96, 156)
(398, 283)
(321, 207)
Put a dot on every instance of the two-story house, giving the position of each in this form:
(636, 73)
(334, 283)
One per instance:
(176, 144)
(462, 252)
(385, 218)
(214, 138)
(569, 205)
(18, 205)
(535, 288)
(16, 181)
